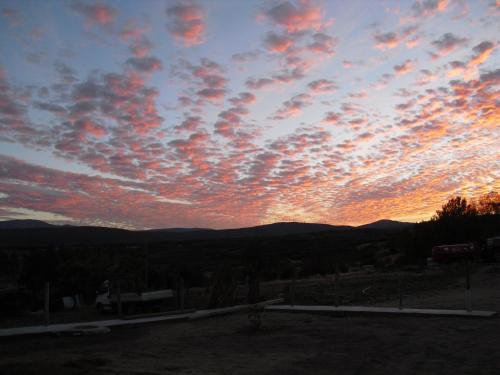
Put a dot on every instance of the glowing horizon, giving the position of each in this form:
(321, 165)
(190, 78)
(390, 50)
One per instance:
(222, 114)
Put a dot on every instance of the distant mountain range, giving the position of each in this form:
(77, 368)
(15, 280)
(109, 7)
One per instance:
(25, 224)
(39, 232)
(387, 224)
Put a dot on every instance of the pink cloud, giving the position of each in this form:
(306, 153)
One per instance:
(206, 80)
(322, 86)
(257, 84)
(404, 68)
(230, 121)
(191, 123)
(140, 48)
(98, 14)
(390, 40)
(187, 23)
(366, 136)
(426, 76)
(187, 146)
(332, 118)
(132, 31)
(87, 127)
(212, 93)
(350, 108)
(428, 8)
(277, 43)
(145, 64)
(14, 122)
(13, 16)
(301, 44)
(292, 107)
(322, 44)
(358, 122)
(481, 52)
(387, 40)
(262, 165)
(413, 42)
(383, 81)
(296, 16)
(359, 95)
(347, 64)
(245, 57)
(406, 106)
(456, 68)
(84, 199)
(447, 44)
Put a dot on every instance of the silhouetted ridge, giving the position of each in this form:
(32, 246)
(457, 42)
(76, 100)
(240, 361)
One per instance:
(23, 224)
(387, 224)
(38, 232)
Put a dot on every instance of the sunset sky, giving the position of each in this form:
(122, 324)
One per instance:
(221, 114)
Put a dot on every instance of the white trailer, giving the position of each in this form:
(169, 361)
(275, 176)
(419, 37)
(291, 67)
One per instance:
(106, 300)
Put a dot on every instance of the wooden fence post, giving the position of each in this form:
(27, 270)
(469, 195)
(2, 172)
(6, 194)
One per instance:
(146, 267)
(47, 303)
(119, 299)
(182, 293)
(468, 293)
(335, 286)
(400, 292)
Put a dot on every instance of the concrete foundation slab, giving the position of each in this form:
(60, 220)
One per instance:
(382, 310)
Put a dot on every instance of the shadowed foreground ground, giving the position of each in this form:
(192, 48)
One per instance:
(287, 344)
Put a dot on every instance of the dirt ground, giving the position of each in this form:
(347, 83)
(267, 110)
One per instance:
(286, 344)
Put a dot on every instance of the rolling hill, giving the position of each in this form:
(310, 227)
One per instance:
(387, 225)
(26, 232)
(25, 224)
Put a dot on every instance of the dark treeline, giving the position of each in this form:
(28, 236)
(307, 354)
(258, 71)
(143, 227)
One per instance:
(80, 268)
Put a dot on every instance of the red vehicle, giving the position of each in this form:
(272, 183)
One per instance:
(449, 253)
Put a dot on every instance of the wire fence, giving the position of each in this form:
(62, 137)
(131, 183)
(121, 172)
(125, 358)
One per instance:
(450, 287)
